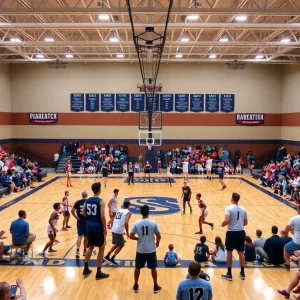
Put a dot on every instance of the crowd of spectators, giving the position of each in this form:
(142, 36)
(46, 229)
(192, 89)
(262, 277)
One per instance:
(17, 173)
(197, 156)
(282, 175)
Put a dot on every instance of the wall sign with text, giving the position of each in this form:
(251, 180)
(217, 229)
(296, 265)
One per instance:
(137, 102)
(92, 102)
(212, 103)
(77, 102)
(43, 118)
(196, 102)
(227, 102)
(166, 102)
(250, 119)
(181, 102)
(122, 102)
(107, 102)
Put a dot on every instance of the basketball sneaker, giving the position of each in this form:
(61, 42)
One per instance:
(287, 267)
(224, 187)
(112, 260)
(77, 254)
(191, 211)
(284, 293)
(101, 275)
(157, 289)
(212, 226)
(199, 232)
(64, 229)
(68, 226)
(86, 272)
(26, 259)
(242, 275)
(135, 287)
(183, 213)
(227, 277)
(43, 254)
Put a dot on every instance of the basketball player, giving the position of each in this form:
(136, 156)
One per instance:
(51, 229)
(159, 165)
(69, 169)
(104, 171)
(81, 223)
(221, 171)
(65, 211)
(146, 229)
(208, 166)
(112, 206)
(169, 174)
(147, 169)
(203, 215)
(130, 173)
(185, 170)
(94, 211)
(121, 222)
(236, 218)
(186, 195)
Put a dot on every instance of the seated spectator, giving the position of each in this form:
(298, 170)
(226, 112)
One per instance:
(37, 172)
(6, 291)
(193, 283)
(238, 169)
(171, 258)
(7, 181)
(136, 167)
(219, 253)
(259, 242)
(285, 237)
(21, 234)
(249, 249)
(231, 169)
(2, 259)
(201, 250)
(2, 153)
(272, 251)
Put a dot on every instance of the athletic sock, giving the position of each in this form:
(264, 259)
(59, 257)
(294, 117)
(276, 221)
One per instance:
(228, 270)
(99, 269)
(77, 249)
(108, 254)
(86, 265)
(242, 270)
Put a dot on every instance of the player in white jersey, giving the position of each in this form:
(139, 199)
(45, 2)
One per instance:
(208, 166)
(185, 170)
(112, 206)
(121, 222)
(51, 229)
(235, 218)
(169, 174)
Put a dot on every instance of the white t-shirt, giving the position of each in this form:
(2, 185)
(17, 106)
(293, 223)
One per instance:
(237, 216)
(185, 167)
(169, 174)
(295, 222)
(56, 157)
(208, 164)
(221, 256)
(119, 221)
(113, 201)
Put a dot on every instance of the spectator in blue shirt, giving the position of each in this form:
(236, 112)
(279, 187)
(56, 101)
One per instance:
(194, 287)
(201, 250)
(21, 234)
(171, 258)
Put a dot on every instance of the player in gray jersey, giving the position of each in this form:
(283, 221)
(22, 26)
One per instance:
(235, 220)
(121, 222)
(146, 231)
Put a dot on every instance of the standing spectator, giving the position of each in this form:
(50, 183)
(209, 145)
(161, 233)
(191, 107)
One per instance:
(285, 237)
(141, 161)
(56, 160)
(192, 287)
(6, 292)
(236, 218)
(21, 234)
(146, 230)
(259, 241)
(294, 245)
(130, 173)
(272, 251)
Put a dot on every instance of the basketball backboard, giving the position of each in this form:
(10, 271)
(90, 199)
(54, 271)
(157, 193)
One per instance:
(156, 120)
(150, 137)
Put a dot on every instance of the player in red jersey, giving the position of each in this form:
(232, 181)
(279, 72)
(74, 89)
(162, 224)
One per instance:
(186, 195)
(158, 165)
(69, 169)
(203, 215)
(147, 169)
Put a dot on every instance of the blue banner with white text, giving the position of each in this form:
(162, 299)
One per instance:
(77, 102)
(137, 102)
(212, 102)
(122, 102)
(196, 102)
(92, 102)
(166, 102)
(107, 102)
(181, 102)
(227, 102)
(155, 102)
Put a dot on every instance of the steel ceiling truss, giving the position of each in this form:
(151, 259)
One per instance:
(75, 27)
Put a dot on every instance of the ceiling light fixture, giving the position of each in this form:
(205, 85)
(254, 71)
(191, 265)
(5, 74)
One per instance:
(104, 17)
(192, 17)
(285, 40)
(40, 55)
(241, 18)
(224, 39)
(69, 55)
(114, 38)
(49, 39)
(120, 55)
(212, 55)
(15, 40)
(178, 55)
(259, 56)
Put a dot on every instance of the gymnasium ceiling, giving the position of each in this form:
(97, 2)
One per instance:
(270, 34)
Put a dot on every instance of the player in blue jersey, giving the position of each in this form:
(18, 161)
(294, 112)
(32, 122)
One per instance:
(194, 288)
(94, 211)
(221, 171)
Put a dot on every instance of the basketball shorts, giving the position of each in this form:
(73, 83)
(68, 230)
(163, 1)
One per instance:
(204, 213)
(96, 239)
(66, 213)
(147, 171)
(50, 230)
(208, 169)
(105, 173)
(221, 176)
(81, 227)
(185, 199)
(142, 258)
(118, 239)
(235, 240)
(69, 174)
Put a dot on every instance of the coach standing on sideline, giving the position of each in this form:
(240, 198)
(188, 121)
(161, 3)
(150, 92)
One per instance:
(130, 173)
(146, 247)
(236, 219)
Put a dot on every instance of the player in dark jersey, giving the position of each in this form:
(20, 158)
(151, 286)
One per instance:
(186, 195)
(81, 223)
(104, 170)
(147, 169)
(221, 171)
(94, 211)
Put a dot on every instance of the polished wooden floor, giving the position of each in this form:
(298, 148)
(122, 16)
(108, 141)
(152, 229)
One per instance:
(48, 282)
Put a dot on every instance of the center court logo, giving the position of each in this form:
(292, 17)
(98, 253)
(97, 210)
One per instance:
(157, 205)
